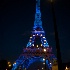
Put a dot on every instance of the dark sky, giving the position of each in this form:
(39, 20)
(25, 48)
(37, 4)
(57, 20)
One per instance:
(16, 22)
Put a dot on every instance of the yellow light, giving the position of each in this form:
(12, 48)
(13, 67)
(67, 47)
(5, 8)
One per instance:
(8, 62)
(9, 65)
(37, 45)
(66, 68)
(14, 62)
(41, 45)
(44, 50)
(30, 37)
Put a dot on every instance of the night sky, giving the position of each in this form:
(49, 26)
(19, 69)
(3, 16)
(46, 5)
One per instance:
(16, 23)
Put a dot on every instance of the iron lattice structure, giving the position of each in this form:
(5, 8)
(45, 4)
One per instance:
(34, 52)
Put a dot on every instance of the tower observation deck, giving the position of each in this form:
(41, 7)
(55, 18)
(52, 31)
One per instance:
(33, 51)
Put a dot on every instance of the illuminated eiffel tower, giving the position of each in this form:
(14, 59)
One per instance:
(33, 51)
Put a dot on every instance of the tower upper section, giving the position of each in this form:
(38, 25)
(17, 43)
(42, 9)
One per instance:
(37, 22)
(38, 31)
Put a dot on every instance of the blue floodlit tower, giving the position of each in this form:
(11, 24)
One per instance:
(34, 52)
(37, 29)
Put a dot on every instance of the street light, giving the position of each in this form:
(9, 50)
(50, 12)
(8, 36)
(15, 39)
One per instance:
(9, 64)
(66, 68)
(56, 36)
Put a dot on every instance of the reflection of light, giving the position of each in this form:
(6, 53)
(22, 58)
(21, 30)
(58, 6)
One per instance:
(44, 50)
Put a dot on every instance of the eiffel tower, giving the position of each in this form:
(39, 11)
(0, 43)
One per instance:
(33, 51)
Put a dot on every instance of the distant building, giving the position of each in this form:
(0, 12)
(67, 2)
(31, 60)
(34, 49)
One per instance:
(3, 64)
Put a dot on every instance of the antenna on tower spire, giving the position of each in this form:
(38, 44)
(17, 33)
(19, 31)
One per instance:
(37, 22)
(37, 6)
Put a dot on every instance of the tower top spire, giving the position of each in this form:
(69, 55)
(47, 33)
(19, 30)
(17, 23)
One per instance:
(37, 6)
(37, 22)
